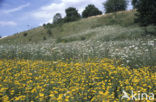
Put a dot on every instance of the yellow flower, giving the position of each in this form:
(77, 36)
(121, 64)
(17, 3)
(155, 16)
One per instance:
(41, 94)
(12, 92)
(5, 98)
(65, 81)
(101, 92)
(51, 95)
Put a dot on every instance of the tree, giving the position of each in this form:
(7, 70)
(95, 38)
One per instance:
(71, 15)
(57, 18)
(91, 10)
(115, 5)
(134, 3)
(146, 12)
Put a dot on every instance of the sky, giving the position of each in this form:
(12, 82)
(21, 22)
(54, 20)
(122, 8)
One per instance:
(20, 15)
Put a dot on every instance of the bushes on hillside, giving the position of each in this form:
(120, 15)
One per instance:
(115, 5)
(25, 34)
(146, 12)
(44, 38)
(91, 10)
(48, 26)
(57, 18)
(49, 32)
(71, 15)
(134, 3)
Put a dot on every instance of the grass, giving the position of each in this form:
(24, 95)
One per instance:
(134, 53)
(109, 41)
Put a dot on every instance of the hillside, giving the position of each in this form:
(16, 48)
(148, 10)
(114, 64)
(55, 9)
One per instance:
(124, 19)
(114, 36)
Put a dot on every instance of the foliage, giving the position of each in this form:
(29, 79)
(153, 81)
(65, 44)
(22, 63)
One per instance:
(115, 5)
(25, 34)
(135, 3)
(91, 10)
(146, 12)
(49, 32)
(48, 26)
(71, 14)
(57, 18)
(44, 38)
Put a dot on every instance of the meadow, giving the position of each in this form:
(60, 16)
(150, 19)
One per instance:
(127, 44)
(56, 81)
(92, 59)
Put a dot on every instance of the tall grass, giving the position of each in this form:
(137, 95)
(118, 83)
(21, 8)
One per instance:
(104, 43)
(109, 36)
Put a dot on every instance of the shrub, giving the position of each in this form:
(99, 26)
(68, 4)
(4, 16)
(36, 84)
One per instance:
(134, 3)
(44, 25)
(91, 10)
(57, 18)
(30, 39)
(115, 5)
(47, 26)
(146, 12)
(25, 34)
(71, 15)
(44, 38)
(49, 32)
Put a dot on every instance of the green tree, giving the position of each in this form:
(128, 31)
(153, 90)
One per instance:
(146, 12)
(91, 10)
(57, 18)
(71, 14)
(134, 3)
(115, 5)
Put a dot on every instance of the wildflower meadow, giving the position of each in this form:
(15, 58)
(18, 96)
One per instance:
(57, 81)
(104, 58)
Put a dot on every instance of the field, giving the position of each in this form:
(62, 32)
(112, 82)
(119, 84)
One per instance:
(92, 59)
(95, 81)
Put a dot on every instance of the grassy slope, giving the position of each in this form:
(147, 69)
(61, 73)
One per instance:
(39, 34)
(104, 36)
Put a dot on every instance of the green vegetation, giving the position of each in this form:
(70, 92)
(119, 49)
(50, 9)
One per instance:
(91, 10)
(115, 5)
(57, 18)
(146, 12)
(71, 15)
(25, 34)
(135, 3)
(114, 36)
(74, 59)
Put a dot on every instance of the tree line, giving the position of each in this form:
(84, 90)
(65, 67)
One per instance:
(73, 15)
(146, 11)
(90, 10)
